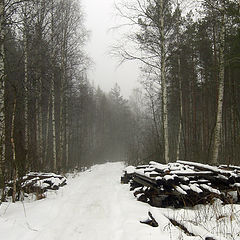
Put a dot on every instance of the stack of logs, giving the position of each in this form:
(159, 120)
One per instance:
(36, 182)
(183, 183)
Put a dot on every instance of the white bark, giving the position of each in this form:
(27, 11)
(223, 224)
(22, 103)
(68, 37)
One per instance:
(181, 113)
(40, 122)
(164, 85)
(53, 96)
(67, 134)
(2, 92)
(14, 154)
(218, 126)
(37, 125)
(39, 135)
(61, 133)
(47, 128)
(63, 97)
(25, 83)
(54, 127)
(180, 87)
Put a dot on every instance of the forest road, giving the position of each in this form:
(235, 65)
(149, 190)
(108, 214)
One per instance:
(92, 206)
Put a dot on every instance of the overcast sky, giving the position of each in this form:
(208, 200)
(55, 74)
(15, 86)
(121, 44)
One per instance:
(99, 15)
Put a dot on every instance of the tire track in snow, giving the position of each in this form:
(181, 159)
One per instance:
(89, 207)
(92, 206)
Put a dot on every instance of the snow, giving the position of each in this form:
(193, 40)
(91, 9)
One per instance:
(180, 190)
(185, 187)
(130, 169)
(205, 166)
(92, 206)
(137, 189)
(95, 206)
(28, 182)
(210, 189)
(169, 177)
(236, 185)
(140, 171)
(149, 174)
(195, 187)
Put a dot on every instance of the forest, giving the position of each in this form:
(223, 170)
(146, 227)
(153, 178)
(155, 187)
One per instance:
(52, 118)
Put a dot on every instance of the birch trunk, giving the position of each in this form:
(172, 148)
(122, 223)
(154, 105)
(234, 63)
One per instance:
(38, 109)
(164, 84)
(61, 110)
(63, 95)
(37, 129)
(54, 127)
(181, 114)
(39, 33)
(14, 153)
(61, 134)
(155, 121)
(218, 126)
(54, 144)
(25, 83)
(40, 122)
(2, 94)
(67, 134)
(47, 128)
(180, 86)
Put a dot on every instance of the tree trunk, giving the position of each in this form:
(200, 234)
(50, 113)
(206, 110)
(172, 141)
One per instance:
(164, 85)
(47, 129)
(2, 94)
(54, 143)
(25, 84)
(40, 122)
(15, 175)
(181, 113)
(37, 129)
(54, 127)
(61, 132)
(217, 130)
(67, 134)
(180, 87)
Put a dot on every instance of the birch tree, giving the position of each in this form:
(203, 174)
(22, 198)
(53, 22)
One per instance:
(154, 19)
(163, 81)
(54, 140)
(2, 93)
(26, 82)
(180, 82)
(218, 126)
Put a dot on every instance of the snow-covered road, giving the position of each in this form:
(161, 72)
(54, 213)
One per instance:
(93, 206)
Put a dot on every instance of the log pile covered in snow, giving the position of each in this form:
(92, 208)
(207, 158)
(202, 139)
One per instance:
(37, 182)
(183, 183)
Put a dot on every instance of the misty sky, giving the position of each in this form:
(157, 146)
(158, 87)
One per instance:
(99, 15)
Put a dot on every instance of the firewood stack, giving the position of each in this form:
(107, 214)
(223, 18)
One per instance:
(36, 182)
(183, 183)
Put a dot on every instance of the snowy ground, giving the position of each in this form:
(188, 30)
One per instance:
(95, 206)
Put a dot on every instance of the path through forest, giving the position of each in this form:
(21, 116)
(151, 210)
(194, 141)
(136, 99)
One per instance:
(93, 206)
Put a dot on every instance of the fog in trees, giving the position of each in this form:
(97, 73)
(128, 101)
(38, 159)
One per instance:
(201, 61)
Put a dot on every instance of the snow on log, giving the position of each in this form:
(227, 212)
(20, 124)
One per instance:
(180, 190)
(182, 183)
(195, 188)
(37, 182)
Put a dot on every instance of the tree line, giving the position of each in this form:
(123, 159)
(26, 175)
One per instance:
(51, 117)
(190, 73)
